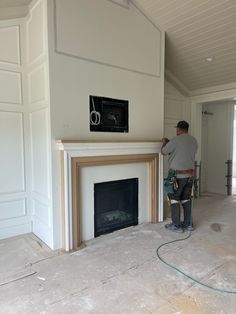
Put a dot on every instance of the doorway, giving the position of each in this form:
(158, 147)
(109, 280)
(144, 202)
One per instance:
(234, 155)
(217, 145)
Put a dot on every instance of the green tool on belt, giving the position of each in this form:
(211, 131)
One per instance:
(170, 183)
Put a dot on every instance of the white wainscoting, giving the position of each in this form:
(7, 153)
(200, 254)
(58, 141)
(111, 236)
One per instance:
(36, 32)
(41, 175)
(15, 215)
(42, 218)
(39, 117)
(40, 133)
(37, 84)
(12, 153)
(10, 83)
(10, 52)
(12, 209)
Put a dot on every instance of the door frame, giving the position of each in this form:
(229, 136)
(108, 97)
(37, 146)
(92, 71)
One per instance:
(196, 113)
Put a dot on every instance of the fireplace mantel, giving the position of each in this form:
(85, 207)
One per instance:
(77, 154)
(95, 148)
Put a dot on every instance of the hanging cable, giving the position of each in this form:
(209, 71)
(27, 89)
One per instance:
(95, 116)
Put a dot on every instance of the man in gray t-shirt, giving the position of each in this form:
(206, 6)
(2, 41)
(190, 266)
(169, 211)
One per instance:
(181, 150)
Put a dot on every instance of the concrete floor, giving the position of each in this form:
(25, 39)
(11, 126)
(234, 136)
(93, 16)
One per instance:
(120, 272)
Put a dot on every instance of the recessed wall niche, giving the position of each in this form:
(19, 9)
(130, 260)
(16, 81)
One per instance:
(108, 114)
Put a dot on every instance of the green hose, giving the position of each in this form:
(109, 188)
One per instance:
(184, 274)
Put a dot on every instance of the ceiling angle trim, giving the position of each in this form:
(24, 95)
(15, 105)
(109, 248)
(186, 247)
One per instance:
(214, 89)
(122, 3)
(177, 83)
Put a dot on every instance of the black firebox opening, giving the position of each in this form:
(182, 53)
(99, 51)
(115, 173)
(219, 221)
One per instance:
(115, 205)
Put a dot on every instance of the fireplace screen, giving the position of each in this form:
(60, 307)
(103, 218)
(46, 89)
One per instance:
(115, 205)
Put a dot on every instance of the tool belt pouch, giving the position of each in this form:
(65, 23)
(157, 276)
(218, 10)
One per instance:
(170, 183)
(168, 187)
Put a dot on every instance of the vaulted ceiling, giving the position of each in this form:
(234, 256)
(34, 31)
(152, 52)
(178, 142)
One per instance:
(200, 39)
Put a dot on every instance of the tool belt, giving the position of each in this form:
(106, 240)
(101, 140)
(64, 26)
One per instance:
(170, 183)
(187, 171)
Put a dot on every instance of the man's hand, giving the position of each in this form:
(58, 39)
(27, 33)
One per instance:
(165, 140)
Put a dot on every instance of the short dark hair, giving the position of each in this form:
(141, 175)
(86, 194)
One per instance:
(182, 125)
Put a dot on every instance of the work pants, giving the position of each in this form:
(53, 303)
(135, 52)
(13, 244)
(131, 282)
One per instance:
(182, 195)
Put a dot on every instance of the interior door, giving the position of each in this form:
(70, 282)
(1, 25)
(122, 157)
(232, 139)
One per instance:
(217, 143)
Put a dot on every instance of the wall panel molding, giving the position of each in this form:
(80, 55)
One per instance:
(10, 51)
(15, 230)
(12, 161)
(36, 41)
(37, 85)
(40, 154)
(94, 38)
(13, 209)
(42, 212)
(11, 87)
(15, 205)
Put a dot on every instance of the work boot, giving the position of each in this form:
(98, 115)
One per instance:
(174, 228)
(189, 227)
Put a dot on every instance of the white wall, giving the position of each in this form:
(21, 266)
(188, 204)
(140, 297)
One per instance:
(39, 117)
(100, 48)
(124, 65)
(177, 107)
(15, 214)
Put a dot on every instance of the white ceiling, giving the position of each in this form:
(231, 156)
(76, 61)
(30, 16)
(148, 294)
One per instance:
(195, 30)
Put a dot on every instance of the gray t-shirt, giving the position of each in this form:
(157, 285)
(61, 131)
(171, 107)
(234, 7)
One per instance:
(181, 149)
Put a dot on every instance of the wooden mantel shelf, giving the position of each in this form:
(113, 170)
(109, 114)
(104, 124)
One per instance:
(106, 141)
(103, 148)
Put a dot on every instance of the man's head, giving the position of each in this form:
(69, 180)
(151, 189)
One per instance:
(182, 127)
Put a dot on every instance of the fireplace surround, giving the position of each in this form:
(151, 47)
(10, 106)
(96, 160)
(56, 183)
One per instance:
(78, 154)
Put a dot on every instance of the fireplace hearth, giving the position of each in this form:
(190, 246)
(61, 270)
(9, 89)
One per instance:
(115, 205)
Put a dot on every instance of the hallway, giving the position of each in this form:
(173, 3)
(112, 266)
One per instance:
(120, 272)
